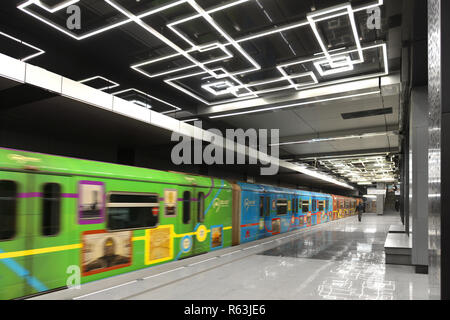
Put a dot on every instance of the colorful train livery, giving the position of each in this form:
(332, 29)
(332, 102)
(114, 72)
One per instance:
(59, 213)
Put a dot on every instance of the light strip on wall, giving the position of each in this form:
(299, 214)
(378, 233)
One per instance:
(294, 105)
(39, 51)
(360, 136)
(322, 176)
(190, 120)
(141, 104)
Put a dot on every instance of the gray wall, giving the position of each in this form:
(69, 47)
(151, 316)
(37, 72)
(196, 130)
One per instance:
(418, 150)
(439, 125)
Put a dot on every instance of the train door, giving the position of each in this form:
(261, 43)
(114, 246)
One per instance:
(15, 274)
(306, 212)
(198, 222)
(51, 217)
(266, 219)
(189, 221)
(314, 211)
(262, 214)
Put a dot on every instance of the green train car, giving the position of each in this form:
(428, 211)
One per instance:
(61, 216)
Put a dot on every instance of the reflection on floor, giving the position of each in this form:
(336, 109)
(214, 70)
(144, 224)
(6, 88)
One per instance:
(339, 260)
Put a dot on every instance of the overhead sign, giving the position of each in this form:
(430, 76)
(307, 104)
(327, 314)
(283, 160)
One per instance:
(377, 191)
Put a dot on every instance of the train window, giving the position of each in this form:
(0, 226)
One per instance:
(267, 206)
(186, 207)
(282, 206)
(261, 206)
(321, 205)
(8, 204)
(170, 202)
(201, 207)
(327, 205)
(305, 206)
(91, 202)
(51, 209)
(132, 211)
(314, 205)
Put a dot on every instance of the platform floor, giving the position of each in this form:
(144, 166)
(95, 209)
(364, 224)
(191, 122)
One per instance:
(341, 260)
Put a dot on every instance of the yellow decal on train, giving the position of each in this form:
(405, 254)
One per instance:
(22, 159)
(159, 244)
(201, 233)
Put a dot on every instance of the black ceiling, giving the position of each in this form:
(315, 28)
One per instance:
(110, 54)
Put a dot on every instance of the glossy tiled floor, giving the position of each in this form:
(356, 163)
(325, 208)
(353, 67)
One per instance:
(340, 260)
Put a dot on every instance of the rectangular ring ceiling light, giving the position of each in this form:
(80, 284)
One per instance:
(113, 84)
(150, 97)
(294, 105)
(34, 55)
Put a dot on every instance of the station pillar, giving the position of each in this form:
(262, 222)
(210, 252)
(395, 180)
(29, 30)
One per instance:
(380, 199)
(439, 149)
(418, 179)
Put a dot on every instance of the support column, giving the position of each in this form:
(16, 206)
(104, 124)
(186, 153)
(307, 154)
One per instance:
(380, 199)
(418, 200)
(439, 148)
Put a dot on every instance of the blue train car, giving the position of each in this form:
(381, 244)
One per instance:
(266, 210)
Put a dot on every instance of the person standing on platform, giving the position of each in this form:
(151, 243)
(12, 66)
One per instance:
(360, 211)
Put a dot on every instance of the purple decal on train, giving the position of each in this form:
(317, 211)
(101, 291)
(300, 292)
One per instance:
(91, 202)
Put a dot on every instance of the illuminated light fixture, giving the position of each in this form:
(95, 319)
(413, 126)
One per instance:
(223, 87)
(138, 66)
(39, 51)
(285, 76)
(190, 120)
(141, 103)
(338, 67)
(114, 84)
(57, 7)
(368, 183)
(151, 97)
(322, 176)
(224, 74)
(383, 46)
(333, 50)
(386, 179)
(325, 15)
(295, 105)
(23, 7)
(361, 136)
(206, 14)
(155, 33)
(26, 4)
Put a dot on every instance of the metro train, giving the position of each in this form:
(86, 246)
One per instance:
(62, 217)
